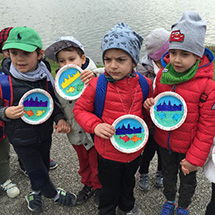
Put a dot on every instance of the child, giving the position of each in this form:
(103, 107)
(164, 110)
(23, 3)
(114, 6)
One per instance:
(209, 170)
(6, 184)
(32, 142)
(120, 52)
(3, 37)
(157, 43)
(67, 50)
(189, 72)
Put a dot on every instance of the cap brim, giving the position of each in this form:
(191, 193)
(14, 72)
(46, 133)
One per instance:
(24, 47)
(54, 48)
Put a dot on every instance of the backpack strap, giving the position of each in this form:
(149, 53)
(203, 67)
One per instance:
(144, 86)
(204, 96)
(100, 95)
(101, 92)
(49, 87)
(6, 89)
(6, 94)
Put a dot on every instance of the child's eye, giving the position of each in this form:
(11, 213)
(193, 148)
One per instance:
(27, 53)
(121, 59)
(13, 52)
(185, 54)
(61, 61)
(107, 59)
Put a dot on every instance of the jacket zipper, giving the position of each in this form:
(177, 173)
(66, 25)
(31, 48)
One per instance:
(169, 149)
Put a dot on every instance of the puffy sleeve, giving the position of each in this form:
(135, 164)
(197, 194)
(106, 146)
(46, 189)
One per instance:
(84, 108)
(200, 147)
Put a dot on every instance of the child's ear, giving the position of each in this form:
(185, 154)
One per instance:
(83, 58)
(40, 55)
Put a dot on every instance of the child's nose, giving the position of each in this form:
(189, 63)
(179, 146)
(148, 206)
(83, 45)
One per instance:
(20, 57)
(177, 58)
(67, 62)
(113, 64)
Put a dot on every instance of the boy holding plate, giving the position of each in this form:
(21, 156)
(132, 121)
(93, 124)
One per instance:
(67, 50)
(188, 71)
(120, 52)
(32, 143)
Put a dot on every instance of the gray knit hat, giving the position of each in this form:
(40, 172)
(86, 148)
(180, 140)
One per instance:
(189, 34)
(157, 43)
(60, 44)
(123, 37)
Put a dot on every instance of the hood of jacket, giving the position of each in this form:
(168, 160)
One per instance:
(205, 69)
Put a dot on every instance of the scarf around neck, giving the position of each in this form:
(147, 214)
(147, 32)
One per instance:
(40, 73)
(171, 77)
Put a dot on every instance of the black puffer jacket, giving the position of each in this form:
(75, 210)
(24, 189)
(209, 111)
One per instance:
(19, 132)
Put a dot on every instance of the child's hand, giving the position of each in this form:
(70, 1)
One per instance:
(104, 130)
(148, 103)
(185, 170)
(62, 126)
(14, 112)
(86, 76)
(187, 167)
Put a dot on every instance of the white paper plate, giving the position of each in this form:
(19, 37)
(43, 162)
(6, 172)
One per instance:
(131, 133)
(68, 83)
(38, 106)
(169, 111)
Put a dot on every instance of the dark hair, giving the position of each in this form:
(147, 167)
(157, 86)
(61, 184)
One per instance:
(38, 53)
(71, 49)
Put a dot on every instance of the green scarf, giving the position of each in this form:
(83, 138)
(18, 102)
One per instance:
(171, 77)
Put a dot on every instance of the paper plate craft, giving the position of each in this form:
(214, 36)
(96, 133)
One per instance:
(213, 155)
(68, 83)
(131, 133)
(169, 111)
(38, 106)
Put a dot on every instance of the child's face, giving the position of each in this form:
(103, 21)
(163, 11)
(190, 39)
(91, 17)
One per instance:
(118, 63)
(70, 57)
(182, 60)
(25, 61)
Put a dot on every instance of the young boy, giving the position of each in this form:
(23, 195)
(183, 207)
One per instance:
(68, 50)
(32, 142)
(120, 52)
(3, 37)
(190, 74)
(157, 44)
(6, 184)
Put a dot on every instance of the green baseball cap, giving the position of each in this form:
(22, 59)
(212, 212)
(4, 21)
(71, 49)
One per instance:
(23, 38)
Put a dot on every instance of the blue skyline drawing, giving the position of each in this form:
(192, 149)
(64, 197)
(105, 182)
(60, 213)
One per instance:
(128, 130)
(35, 103)
(169, 107)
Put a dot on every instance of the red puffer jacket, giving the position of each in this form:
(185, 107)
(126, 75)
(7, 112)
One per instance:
(119, 98)
(195, 136)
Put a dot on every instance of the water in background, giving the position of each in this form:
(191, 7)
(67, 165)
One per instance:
(88, 21)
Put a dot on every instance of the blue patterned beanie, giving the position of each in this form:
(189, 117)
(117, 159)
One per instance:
(123, 37)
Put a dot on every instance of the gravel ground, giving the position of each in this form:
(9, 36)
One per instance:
(66, 176)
